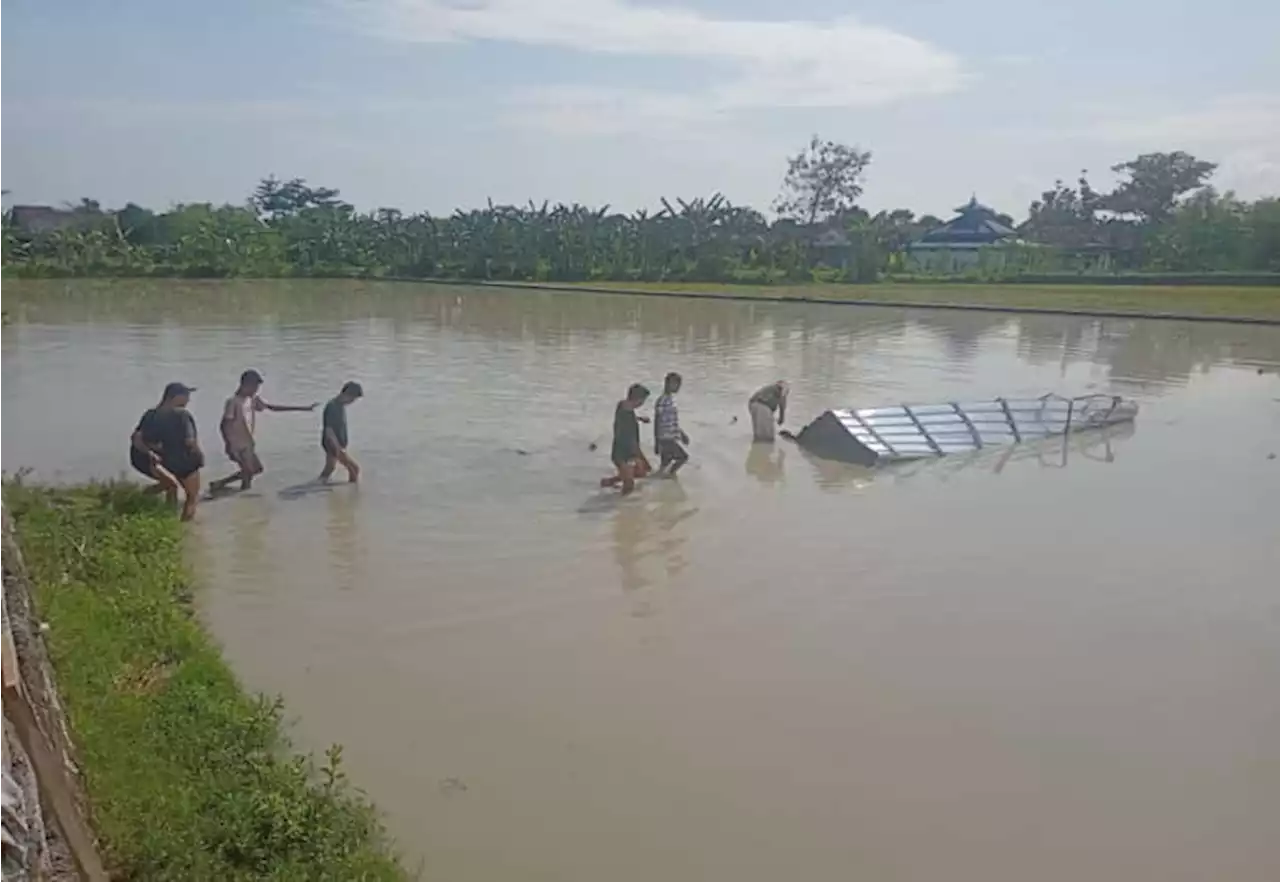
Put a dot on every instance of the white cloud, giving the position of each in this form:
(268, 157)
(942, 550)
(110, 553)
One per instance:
(1229, 119)
(1239, 132)
(752, 64)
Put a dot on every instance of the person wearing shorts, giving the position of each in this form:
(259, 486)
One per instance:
(166, 447)
(239, 421)
(668, 436)
(333, 433)
(628, 458)
(145, 458)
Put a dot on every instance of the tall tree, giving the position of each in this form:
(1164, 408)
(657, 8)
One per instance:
(274, 199)
(1154, 182)
(1065, 216)
(823, 181)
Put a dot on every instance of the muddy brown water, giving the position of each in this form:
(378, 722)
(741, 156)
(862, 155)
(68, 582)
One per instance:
(1059, 664)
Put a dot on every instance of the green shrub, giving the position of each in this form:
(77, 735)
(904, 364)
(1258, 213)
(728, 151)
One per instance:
(189, 778)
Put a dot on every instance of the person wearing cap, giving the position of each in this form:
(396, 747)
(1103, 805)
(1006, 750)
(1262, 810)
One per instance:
(333, 433)
(628, 457)
(165, 446)
(239, 419)
(763, 404)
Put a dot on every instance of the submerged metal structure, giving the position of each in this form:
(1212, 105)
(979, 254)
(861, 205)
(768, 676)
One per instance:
(879, 435)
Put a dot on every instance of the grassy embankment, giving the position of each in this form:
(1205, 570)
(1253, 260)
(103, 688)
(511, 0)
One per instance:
(189, 777)
(1228, 301)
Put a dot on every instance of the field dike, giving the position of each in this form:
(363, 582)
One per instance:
(173, 771)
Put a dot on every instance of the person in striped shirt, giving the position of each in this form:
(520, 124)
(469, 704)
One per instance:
(667, 434)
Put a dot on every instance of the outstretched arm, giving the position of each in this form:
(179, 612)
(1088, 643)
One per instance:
(287, 408)
(193, 440)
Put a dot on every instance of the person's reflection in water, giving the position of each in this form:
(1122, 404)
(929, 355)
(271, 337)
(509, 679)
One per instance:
(764, 462)
(651, 527)
(671, 511)
(250, 561)
(346, 549)
(630, 528)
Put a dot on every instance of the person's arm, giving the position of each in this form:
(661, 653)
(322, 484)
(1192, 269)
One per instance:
(675, 419)
(782, 407)
(230, 413)
(331, 438)
(141, 445)
(193, 440)
(261, 405)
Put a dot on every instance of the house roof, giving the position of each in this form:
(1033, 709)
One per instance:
(831, 239)
(974, 223)
(41, 218)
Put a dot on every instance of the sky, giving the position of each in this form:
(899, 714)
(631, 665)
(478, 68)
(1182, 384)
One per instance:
(439, 104)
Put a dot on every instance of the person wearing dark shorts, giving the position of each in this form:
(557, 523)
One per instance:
(333, 433)
(628, 458)
(166, 447)
(667, 434)
(146, 460)
(238, 425)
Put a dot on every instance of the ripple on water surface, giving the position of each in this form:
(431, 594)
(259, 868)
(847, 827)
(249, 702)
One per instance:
(1011, 665)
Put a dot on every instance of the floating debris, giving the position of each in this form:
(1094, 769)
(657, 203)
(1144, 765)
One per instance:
(874, 436)
(452, 785)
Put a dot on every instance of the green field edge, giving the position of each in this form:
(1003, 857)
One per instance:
(1067, 300)
(189, 776)
(1243, 304)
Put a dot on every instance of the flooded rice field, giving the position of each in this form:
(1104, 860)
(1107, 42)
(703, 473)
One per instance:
(1057, 662)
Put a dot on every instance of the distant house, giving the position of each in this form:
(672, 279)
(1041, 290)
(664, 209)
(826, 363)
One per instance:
(964, 242)
(36, 219)
(831, 247)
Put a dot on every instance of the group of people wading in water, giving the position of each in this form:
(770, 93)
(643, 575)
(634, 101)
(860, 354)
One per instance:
(669, 440)
(166, 446)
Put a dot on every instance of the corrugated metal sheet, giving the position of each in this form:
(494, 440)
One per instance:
(914, 431)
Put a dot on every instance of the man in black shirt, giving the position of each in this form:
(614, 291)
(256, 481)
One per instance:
(628, 457)
(333, 433)
(165, 446)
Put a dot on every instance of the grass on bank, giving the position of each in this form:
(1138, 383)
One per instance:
(1209, 300)
(189, 777)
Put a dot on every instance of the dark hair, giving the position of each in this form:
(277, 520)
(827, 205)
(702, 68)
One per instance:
(251, 377)
(353, 389)
(637, 392)
(672, 380)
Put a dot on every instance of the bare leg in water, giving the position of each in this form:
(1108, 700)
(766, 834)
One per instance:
(335, 455)
(190, 487)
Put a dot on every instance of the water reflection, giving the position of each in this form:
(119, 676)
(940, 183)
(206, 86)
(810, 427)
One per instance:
(821, 338)
(825, 661)
(765, 462)
(650, 533)
(345, 543)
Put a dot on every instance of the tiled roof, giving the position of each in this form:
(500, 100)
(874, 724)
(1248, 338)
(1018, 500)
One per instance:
(974, 223)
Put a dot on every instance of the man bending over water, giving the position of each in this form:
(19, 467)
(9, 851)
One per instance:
(333, 433)
(165, 447)
(763, 404)
(239, 419)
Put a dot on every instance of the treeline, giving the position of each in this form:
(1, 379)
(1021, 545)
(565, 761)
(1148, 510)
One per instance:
(1163, 217)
